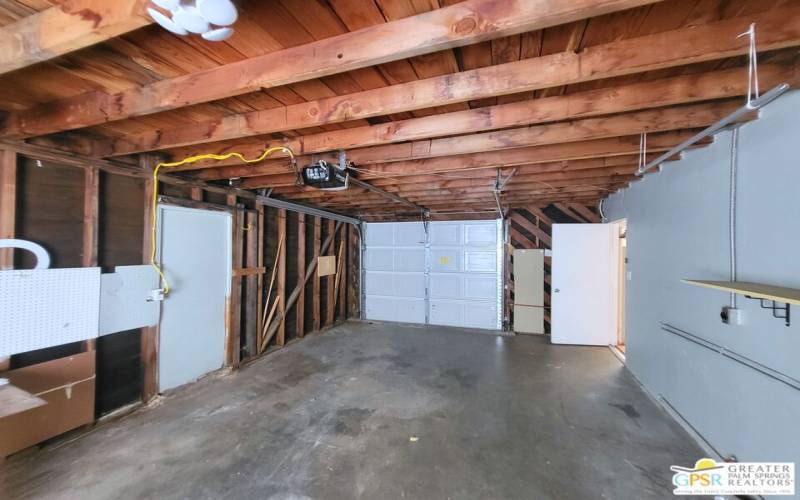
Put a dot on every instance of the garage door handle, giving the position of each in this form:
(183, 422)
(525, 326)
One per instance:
(556, 290)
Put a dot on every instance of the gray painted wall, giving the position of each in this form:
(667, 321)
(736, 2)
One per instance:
(678, 228)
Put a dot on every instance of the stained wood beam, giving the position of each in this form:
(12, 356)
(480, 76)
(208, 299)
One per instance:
(427, 198)
(617, 146)
(666, 92)
(317, 284)
(252, 305)
(544, 179)
(286, 182)
(693, 116)
(531, 227)
(8, 204)
(463, 195)
(330, 291)
(584, 212)
(464, 23)
(91, 209)
(149, 334)
(67, 27)
(300, 309)
(486, 182)
(281, 284)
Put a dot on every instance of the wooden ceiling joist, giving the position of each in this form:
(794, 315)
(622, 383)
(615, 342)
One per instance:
(460, 24)
(604, 61)
(485, 183)
(613, 146)
(677, 90)
(287, 183)
(67, 27)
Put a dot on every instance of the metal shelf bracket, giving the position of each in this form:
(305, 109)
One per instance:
(776, 309)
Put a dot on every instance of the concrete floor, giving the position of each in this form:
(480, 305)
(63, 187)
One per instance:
(381, 411)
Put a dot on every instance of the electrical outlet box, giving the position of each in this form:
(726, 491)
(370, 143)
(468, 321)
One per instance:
(731, 316)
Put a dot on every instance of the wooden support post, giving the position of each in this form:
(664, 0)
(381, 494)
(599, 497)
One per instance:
(233, 348)
(317, 289)
(341, 299)
(301, 274)
(355, 282)
(251, 325)
(196, 194)
(330, 281)
(91, 208)
(260, 279)
(273, 326)
(8, 204)
(281, 278)
(149, 341)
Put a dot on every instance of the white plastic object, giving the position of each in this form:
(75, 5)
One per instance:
(218, 34)
(190, 19)
(156, 295)
(42, 257)
(170, 5)
(166, 23)
(219, 12)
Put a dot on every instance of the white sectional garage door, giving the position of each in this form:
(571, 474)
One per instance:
(451, 276)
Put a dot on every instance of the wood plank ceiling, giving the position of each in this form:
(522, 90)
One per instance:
(559, 111)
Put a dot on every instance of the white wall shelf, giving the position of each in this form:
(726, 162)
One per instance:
(764, 293)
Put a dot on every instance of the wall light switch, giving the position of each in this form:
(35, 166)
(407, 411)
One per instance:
(628, 275)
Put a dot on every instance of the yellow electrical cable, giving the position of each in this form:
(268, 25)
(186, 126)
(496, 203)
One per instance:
(186, 161)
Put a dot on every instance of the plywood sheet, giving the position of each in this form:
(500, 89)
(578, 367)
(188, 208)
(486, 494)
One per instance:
(327, 265)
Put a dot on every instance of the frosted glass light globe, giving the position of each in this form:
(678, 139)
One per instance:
(219, 12)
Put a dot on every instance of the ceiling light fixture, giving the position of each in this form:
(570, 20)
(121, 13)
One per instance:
(210, 19)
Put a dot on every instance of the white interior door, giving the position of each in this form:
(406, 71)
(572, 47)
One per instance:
(195, 252)
(584, 297)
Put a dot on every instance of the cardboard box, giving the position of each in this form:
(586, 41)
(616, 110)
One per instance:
(67, 385)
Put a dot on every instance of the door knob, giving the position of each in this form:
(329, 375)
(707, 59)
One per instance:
(556, 290)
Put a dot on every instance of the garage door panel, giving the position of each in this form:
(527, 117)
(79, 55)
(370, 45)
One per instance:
(463, 313)
(446, 234)
(445, 260)
(480, 287)
(459, 265)
(380, 235)
(480, 262)
(407, 259)
(480, 235)
(379, 259)
(482, 315)
(409, 234)
(395, 284)
(446, 286)
(400, 309)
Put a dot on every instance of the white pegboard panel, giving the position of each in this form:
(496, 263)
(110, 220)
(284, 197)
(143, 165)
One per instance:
(47, 307)
(123, 299)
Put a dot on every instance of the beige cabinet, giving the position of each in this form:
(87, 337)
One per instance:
(529, 291)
